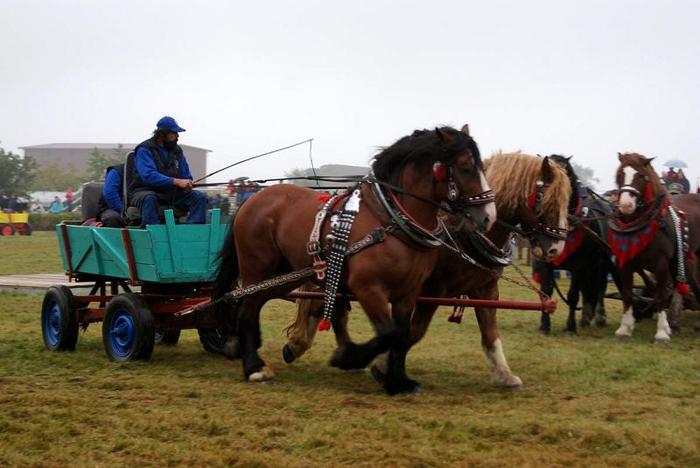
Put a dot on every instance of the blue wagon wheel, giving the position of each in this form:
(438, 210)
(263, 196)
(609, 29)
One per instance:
(59, 319)
(127, 329)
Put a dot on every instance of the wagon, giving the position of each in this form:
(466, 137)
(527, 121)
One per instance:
(140, 278)
(146, 284)
(15, 222)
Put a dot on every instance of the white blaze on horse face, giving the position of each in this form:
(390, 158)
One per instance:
(490, 207)
(627, 202)
(629, 172)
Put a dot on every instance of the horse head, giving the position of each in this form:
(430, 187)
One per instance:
(637, 182)
(534, 193)
(442, 165)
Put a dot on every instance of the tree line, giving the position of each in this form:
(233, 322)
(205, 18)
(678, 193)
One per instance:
(21, 175)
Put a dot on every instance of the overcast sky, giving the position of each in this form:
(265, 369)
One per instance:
(587, 78)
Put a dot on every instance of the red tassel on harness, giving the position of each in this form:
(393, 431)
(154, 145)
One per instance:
(323, 197)
(456, 316)
(325, 325)
(682, 288)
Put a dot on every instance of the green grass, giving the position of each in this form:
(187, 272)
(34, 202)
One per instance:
(38, 253)
(589, 400)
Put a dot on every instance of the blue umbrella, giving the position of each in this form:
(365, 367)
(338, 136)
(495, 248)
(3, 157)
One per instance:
(676, 163)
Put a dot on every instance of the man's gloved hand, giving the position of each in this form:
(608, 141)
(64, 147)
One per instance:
(183, 184)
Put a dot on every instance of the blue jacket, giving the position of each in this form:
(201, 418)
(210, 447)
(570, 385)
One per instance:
(112, 191)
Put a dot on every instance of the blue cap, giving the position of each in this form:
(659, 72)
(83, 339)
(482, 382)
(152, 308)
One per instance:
(168, 123)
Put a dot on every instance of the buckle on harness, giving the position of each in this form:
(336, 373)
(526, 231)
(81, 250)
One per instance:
(313, 247)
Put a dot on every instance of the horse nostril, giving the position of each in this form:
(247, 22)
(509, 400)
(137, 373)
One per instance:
(553, 251)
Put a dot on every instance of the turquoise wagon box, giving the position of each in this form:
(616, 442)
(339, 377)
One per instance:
(163, 253)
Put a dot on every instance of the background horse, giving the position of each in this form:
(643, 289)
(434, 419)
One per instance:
(586, 255)
(271, 231)
(643, 237)
(539, 208)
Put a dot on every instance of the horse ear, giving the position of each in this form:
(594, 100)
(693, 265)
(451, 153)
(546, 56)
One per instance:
(546, 171)
(441, 135)
(570, 158)
(465, 129)
(619, 156)
(647, 161)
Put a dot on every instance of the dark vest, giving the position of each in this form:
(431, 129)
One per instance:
(171, 168)
(102, 205)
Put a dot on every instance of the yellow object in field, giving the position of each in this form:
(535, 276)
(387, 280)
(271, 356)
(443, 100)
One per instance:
(14, 218)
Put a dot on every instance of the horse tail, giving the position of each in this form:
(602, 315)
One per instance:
(228, 265)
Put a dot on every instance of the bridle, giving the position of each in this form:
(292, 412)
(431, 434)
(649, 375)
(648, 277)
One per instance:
(534, 203)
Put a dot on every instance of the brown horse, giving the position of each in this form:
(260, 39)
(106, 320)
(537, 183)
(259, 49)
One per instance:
(271, 231)
(643, 237)
(541, 211)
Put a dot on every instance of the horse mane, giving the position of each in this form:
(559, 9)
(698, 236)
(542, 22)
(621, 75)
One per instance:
(513, 175)
(643, 165)
(565, 163)
(423, 147)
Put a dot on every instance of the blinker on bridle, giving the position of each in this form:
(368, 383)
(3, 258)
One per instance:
(534, 202)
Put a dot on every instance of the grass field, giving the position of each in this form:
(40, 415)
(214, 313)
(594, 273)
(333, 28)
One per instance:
(589, 400)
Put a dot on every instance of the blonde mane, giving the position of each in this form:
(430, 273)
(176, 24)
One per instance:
(513, 176)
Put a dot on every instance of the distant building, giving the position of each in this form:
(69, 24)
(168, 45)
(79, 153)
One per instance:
(78, 154)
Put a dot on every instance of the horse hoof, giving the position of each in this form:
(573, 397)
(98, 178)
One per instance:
(287, 354)
(623, 334)
(661, 339)
(405, 387)
(263, 375)
(601, 322)
(584, 323)
(378, 375)
(544, 332)
(570, 333)
(509, 381)
(231, 349)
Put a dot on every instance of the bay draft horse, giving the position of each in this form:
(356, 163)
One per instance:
(643, 237)
(270, 233)
(538, 208)
(586, 255)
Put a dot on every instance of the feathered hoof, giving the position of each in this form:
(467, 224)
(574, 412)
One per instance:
(544, 332)
(404, 387)
(287, 354)
(601, 322)
(263, 375)
(509, 381)
(623, 334)
(661, 339)
(570, 333)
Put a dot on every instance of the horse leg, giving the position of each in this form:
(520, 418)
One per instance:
(572, 302)
(501, 374)
(301, 332)
(396, 381)
(420, 320)
(358, 356)
(254, 367)
(546, 272)
(627, 322)
(663, 330)
(600, 314)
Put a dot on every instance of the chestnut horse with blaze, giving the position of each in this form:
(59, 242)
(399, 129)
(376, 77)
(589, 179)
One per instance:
(270, 233)
(655, 232)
